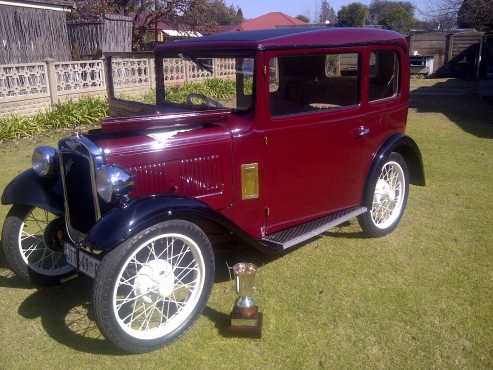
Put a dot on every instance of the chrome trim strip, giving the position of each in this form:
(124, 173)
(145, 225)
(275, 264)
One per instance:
(319, 230)
(96, 160)
(67, 216)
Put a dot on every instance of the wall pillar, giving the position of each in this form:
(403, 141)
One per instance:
(52, 81)
(152, 73)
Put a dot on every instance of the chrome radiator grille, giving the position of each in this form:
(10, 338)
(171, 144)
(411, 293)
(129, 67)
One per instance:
(79, 158)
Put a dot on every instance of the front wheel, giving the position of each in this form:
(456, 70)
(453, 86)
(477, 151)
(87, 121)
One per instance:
(150, 290)
(32, 241)
(390, 191)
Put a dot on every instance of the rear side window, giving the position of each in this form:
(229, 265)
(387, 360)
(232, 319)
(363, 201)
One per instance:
(313, 83)
(384, 75)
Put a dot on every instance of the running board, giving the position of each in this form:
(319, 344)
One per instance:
(288, 238)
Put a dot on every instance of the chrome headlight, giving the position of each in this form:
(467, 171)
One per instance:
(112, 182)
(45, 160)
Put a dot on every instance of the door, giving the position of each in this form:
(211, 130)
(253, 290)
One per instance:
(318, 142)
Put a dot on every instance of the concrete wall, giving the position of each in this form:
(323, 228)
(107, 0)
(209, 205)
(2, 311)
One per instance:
(26, 89)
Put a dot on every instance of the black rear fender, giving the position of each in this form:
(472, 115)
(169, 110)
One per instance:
(409, 150)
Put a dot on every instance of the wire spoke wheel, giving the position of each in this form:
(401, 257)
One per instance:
(158, 286)
(388, 198)
(36, 249)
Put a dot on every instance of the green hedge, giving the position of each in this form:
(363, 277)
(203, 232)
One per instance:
(85, 111)
(220, 90)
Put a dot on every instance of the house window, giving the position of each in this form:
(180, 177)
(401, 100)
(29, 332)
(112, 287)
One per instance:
(384, 75)
(313, 83)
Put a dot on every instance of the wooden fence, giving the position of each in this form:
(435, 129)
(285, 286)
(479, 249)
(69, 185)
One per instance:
(32, 35)
(455, 54)
(110, 33)
(26, 89)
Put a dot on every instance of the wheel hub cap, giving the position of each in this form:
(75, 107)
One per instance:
(155, 277)
(383, 191)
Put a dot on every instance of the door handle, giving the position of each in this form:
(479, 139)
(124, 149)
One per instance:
(362, 131)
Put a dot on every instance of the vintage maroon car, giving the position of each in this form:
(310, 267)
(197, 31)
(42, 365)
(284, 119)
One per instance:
(305, 132)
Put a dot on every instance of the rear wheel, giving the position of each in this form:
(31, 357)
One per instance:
(32, 240)
(150, 290)
(390, 192)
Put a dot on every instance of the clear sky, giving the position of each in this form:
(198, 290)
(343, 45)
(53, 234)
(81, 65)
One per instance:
(254, 8)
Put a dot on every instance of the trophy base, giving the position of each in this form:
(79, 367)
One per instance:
(245, 326)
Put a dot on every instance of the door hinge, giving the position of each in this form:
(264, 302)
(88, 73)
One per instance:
(267, 211)
(266, 140)
(265, 70)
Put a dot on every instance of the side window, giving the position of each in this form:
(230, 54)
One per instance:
(312, 83)
(273, 75)
(384, 75)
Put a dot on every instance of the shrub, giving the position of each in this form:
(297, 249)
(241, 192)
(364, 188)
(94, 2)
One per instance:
(85, 111)
(218, 89)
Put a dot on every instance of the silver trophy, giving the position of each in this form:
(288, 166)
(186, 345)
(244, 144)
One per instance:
(245, 320)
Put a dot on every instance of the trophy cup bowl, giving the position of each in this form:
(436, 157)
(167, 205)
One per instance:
(245, 320)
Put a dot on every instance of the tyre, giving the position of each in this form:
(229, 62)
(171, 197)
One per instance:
(390, 191)
(32, 241)
(149, 290)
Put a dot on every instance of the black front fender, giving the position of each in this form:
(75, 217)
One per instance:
(32, 190)
(120, 224)
(405, 146)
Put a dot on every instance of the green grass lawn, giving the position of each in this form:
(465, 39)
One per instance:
(420, 298)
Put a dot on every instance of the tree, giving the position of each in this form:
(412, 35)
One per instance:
(327, 13)
(444, 13)
(217, 12)
(144, 13)
(394, 15)
(444, 22)
(476, 14)
(239, 16)
(303, 18)
(353, 15)
(196, 15)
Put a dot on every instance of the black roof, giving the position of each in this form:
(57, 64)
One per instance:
(289, 37)
(261, 35)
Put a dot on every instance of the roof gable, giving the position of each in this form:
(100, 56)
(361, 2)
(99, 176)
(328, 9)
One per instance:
(269, 20)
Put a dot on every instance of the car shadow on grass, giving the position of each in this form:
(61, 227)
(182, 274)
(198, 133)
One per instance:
(65, 315)
(7, 277)
(65, 310)
(228, 254)
(9, 280)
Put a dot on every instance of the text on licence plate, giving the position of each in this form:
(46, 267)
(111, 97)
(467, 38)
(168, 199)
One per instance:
(86, 263)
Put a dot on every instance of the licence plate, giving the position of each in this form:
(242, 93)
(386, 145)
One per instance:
(86, 263)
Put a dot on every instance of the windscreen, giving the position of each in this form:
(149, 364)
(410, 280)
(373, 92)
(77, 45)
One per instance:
(199, 82)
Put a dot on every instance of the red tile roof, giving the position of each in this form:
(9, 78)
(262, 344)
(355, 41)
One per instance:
(268, 20)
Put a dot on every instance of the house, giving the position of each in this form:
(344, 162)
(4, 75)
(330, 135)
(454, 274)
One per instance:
(34, 30)
(266, 21)
(163, 32)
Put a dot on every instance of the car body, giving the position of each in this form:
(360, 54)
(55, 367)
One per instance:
(303, 149)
